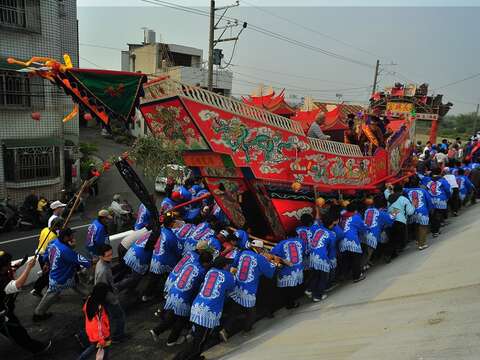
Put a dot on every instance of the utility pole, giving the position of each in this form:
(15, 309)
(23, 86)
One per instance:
(211, 45)
(476, 119)
(375, 78)
(212, 42)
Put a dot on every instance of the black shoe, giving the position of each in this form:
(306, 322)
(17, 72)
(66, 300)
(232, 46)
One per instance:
(38, 318)
(362, 277)
(36, 293)
(295, 305)
(45, 349)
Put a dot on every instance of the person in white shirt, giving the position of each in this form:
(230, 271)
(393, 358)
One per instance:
(315, 131)
(454, 200)
(441, 157)
(58, 208)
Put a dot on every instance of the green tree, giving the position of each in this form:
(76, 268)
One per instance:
(153, 154)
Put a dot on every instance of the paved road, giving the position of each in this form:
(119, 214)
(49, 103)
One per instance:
(19, 243)
(423, 306)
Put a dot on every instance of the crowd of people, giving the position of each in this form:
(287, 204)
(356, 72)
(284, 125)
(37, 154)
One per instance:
(212, 280)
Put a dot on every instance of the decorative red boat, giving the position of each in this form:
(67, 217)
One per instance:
(260, 167)
(250, 157)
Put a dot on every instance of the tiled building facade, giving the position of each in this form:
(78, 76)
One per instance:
(43, 154)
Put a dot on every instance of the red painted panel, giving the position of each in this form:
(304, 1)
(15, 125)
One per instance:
(170, 122)
(290, 211)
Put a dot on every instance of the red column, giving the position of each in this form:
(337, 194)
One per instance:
(433, 132)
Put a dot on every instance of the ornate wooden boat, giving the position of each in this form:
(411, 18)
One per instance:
(249, 158)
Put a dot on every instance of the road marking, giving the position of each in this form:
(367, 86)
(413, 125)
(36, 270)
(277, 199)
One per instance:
(33, 236)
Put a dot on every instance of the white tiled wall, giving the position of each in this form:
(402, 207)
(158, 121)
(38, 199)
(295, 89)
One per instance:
(59, 35)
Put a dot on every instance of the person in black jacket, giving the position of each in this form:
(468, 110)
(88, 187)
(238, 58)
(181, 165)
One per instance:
(9, 287)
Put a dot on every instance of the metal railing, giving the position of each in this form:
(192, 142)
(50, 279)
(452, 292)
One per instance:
(168, 87)
(334, 147)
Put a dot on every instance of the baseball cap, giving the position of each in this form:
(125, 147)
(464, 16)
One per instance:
(223, 233)
(57, 204)
(104, 213)
(256, 243)
(176, 196)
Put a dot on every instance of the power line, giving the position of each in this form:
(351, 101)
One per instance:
(292, 86)
(90, 62)
(457, 82)
(263, 31)
(297, 76)
(312, 30)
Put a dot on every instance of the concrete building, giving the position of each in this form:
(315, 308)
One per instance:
(36, 155)
(182, 63)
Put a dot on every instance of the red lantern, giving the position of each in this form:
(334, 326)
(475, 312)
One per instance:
(36, 116)
(106, 166)
(88, 117)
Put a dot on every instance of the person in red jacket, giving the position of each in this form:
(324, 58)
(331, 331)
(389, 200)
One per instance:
(97, 324)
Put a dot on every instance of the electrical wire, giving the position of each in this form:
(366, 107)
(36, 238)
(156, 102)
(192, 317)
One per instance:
(90, 62)
(263, 31)
(457, 81)
(297, 76)
(292, 86)
(313, 30)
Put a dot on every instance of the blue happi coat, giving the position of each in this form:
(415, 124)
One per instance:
(166, 253)
(202, 232)
(464, 186)
(182, 233)
(234, 254)
(353, 227)
(191, 256)
(439, 190)
(96, 235)
(167, 204)
(322, 247)
(64, 262)
(214, 243)
(183, 291)
(376, 221)
(292, 250)
(242, 236)
(249, 269)
(339, 235)
(219, 214)
(137, 258)
(143, 217)
(207, 307)
(422, 202)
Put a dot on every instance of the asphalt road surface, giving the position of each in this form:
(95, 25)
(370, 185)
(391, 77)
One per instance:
(20, 243)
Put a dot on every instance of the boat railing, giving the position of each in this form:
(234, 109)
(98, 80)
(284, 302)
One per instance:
(334, 147)
(160, 89)
(157, 89)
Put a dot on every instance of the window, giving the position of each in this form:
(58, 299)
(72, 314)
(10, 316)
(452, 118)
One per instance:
(31, 163)
(20, 14)
(14, 90)
(12, 13)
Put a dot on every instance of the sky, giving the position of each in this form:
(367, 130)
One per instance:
(433, 44)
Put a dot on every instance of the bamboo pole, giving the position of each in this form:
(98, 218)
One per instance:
(85, 184)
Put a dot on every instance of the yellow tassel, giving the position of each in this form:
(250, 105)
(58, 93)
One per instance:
(72, 114)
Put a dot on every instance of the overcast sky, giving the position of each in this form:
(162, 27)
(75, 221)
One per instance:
(438, 45)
